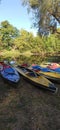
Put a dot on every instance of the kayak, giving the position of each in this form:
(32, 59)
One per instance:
(36, 79)
(57, 70)
(9, 73)
(53, 66)
(49, 74)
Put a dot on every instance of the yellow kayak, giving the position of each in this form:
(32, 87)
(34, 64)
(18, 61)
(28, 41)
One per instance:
(36, 79)
(53, 76)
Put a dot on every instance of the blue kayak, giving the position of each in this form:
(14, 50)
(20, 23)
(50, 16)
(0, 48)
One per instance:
(37, 67)
(9, 73)
(57, 70)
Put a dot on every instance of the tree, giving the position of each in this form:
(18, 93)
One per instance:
(24, 41)
(8, 33)
(46, 13)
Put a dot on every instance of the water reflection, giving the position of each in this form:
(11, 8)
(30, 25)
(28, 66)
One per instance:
(33, 59)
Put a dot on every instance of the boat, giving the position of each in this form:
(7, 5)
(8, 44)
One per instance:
(9, 73)
(36, 79)
(53, 66)
(46, 72)
(57, 70)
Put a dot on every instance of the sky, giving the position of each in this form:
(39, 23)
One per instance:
(16, 14)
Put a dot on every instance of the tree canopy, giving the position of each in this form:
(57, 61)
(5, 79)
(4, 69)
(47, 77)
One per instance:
(46, 13)
(18, 43)
(7, 33)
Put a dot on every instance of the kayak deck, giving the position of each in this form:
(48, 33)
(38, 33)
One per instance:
(35, 78)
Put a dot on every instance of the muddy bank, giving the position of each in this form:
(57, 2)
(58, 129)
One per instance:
(28, 108)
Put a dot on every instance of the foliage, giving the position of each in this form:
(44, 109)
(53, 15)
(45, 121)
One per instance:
(7, 34)
(15, 44)
(10, 54)
(24, 41)
(46, 14)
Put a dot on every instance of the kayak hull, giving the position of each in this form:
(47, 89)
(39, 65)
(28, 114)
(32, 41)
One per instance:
(49, 74)
(39, 81)
(54, 77)
(9, 73)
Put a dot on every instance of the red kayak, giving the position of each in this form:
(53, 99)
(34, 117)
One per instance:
(53, 66)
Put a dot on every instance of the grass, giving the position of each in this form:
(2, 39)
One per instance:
(28, 108)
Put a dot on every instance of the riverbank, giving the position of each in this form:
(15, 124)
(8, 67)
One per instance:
(28, 108)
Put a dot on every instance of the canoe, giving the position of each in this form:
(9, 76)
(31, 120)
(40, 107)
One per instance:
(9, 73)
(36, 79)
(49, 74)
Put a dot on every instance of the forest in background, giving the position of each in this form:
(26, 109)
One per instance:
(15, 43)
(27, 107)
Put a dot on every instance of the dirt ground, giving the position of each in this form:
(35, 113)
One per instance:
(27, 107)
